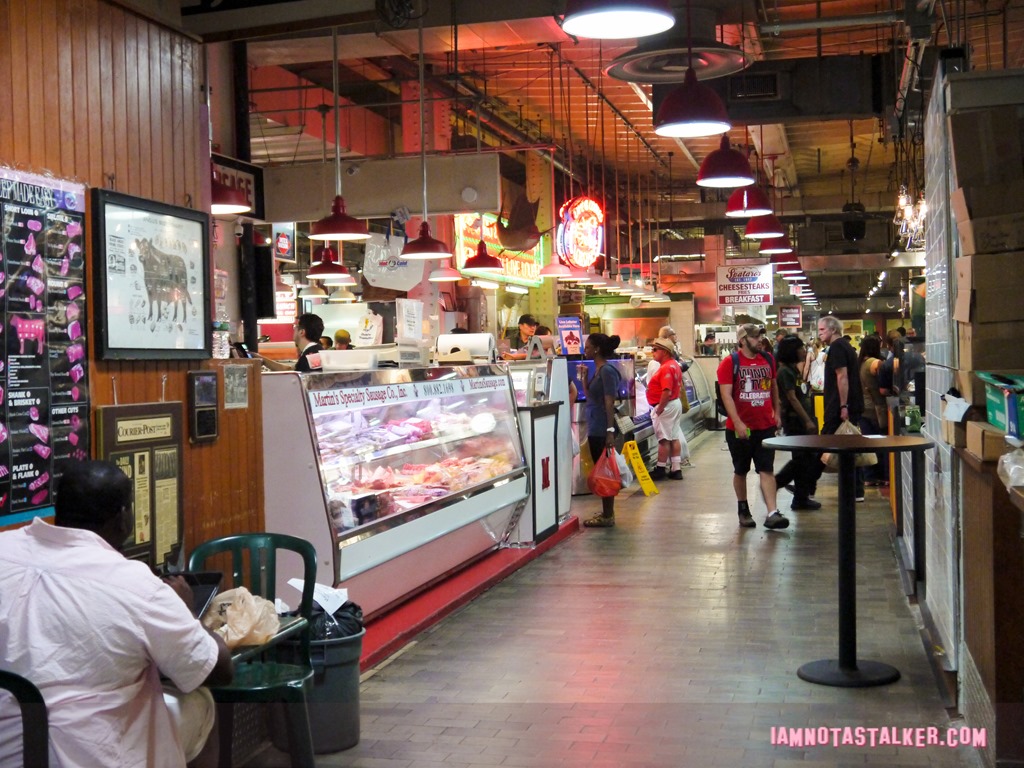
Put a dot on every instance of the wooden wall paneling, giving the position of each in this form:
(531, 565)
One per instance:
(144, 180)
(178, 158)
(131, 100)
(6, 115)
(97, 88)
(32, 110)
(49, 47)
(80, 95)
(106, 86)
(19, 105)
(65, 100)
(157, 127)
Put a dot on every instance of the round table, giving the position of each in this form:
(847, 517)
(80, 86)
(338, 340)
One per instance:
(847, 671)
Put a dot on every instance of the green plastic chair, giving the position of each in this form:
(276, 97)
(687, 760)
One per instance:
(263, 679)
(35, 730)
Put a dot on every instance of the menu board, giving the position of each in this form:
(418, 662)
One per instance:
(44, 385)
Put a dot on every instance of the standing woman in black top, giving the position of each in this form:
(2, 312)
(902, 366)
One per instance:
(601, 392)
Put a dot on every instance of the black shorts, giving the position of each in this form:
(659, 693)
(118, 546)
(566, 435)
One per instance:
(745, 451)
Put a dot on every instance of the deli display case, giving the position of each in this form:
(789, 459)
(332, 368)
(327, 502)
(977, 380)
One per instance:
(397, 476)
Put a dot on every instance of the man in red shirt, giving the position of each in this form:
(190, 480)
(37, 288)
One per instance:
(746, 379)
(663, 396)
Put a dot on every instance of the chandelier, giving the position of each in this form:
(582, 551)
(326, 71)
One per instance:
(909, 221)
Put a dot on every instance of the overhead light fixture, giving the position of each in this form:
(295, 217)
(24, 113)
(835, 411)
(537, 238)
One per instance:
(580, 276)
(341, 296)
(342, 277)
(327, 267)
(488, 285)
(555, 269)
(516, 289)
(337, 225)
(227, 201)
(777, 246)
(312, 292)
(746, 202)
(725, 167)
(482, 261)
(616, 19)
(424, 246)
(444, 274)
(690, 111)
(762, 227)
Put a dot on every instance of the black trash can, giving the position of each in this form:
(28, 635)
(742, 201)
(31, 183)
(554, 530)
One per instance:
(334, 700)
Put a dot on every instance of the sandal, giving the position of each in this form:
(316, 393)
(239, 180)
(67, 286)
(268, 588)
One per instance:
(599, 521)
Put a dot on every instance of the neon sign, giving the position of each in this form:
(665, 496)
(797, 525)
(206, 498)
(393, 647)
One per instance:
(520, 267)
(580, 235)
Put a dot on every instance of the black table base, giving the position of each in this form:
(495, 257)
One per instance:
(864, 675)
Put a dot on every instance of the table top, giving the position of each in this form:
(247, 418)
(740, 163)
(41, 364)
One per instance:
(849, 443)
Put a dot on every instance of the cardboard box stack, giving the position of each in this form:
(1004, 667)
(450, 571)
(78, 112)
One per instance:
(988, 163)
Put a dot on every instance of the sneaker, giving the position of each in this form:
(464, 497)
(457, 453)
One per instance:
(675, 474)
(860, 498)
(776, 521)
(805, 504)
(599, 521)
(658, 473)
(687, 464)
(746, 521)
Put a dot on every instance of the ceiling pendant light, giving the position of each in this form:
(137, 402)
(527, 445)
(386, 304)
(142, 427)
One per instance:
(342, 277)
(776, 246)
(444, 274)
(338, 225)
(725, 167)
(692, 109)
(312, 292)
(227, 201)
(761, 227)
(424, 246)
(748, 201)
(341, 295)
(327, 266)
(482, 261)
(555, 269)
(616, 19)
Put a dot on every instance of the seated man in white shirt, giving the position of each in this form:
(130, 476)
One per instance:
(94, 631)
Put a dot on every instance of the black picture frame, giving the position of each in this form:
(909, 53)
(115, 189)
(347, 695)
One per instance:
(203, 406)
(151, 279)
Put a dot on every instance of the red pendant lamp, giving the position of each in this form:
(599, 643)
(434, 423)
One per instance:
(725, 167)
(777, 247)
(748, 201)
(616, 19)
(227, 201)
(761, 227)
(482, 261)
(327, 266)
(425, 246)
(338, 225)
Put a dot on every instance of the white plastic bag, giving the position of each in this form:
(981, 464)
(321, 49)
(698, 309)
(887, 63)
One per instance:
(241, 618)
(624, 470)
(1011, 468)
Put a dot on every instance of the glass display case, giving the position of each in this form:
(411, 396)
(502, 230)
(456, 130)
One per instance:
(373, 466)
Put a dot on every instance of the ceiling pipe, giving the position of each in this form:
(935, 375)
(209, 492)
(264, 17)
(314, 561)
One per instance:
(835, 22)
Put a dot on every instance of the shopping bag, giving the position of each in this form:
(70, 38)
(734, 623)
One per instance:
(624, 471)
(604, 479)
(241, 618)
(831, 460)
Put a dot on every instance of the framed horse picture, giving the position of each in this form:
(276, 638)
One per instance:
(151, 279)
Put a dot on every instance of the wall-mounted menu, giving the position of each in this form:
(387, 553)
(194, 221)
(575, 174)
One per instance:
(44, 387)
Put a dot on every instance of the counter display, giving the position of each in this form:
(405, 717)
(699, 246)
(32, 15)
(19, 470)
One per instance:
(397, 476)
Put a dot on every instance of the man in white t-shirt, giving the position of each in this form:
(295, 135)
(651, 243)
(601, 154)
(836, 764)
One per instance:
(94, 631)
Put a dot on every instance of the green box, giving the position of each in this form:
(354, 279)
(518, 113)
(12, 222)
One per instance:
(1001, 395)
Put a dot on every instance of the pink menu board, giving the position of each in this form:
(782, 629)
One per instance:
(44, 386)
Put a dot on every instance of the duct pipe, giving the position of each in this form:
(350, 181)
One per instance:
(835, 22)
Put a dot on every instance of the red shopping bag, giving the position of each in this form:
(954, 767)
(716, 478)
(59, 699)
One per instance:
(604, 479)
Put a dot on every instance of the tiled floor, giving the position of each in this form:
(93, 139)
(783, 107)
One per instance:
(669, 641)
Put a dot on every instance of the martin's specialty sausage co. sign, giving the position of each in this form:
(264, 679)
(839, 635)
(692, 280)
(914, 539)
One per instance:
(745, 286)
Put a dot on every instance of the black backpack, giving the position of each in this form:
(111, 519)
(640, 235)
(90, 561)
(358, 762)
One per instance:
(719, 405)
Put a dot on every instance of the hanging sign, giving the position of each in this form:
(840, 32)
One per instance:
(580, 235)
(370, 331)
(283, 242)
(745, 286)
(384, 267)
(570, 334)
(791, 317)
(518, 267)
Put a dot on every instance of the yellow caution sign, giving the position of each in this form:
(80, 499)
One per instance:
(632, 454)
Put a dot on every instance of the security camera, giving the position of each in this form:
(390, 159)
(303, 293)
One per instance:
(239, 230)
(352, 170)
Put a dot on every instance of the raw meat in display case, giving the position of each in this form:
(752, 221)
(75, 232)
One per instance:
(374, 466)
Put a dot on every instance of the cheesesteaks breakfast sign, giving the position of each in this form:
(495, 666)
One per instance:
(745, 286)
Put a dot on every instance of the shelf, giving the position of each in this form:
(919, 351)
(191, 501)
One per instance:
(349, 460)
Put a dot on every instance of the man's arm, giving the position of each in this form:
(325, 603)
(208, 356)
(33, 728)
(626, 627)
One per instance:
(730, 410)
(843, 388)
(223, 671)
(274, 365)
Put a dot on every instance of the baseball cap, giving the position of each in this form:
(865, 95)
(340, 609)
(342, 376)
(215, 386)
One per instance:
(747, 329)
(663, 344)
(528, 320)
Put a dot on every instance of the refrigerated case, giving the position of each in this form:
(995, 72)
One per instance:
(397, 476)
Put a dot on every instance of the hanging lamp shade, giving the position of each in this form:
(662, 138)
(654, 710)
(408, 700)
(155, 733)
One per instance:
(341, 278)
(483, 261)
(312, 292)
(776, 247)
(761, 227)
(338, 225)
(341, 295)
(690, 111)
(225, 200)
(555, 269)
(725, 167)
(616, 19)
(444, 274)
(748, 201)
(328, 266)
(426, 247)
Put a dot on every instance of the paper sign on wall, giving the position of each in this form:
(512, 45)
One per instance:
(410, 319)
(370, 331)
